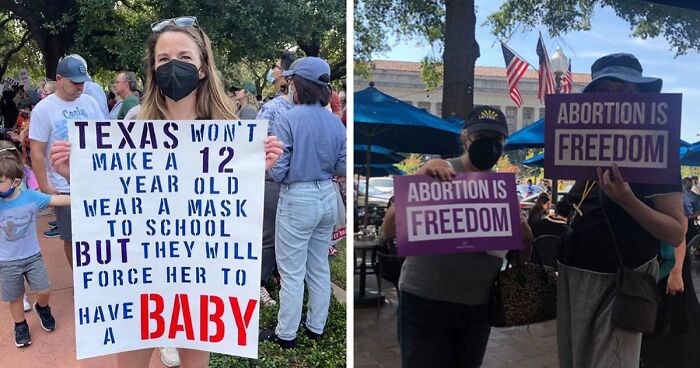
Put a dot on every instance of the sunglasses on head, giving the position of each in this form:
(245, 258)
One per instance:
(187, 21)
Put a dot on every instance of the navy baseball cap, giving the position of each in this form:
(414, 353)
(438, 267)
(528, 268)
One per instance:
(486, 118)
(73, 69)
(312, 69)
(622, 67)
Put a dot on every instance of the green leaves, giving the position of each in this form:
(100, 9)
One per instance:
(375, 20)
(328, 352)
(680, 27)
(431, 72)
(111, 34)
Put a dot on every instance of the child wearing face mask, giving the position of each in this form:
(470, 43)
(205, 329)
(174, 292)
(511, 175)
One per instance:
(443, 309)
(20, 256)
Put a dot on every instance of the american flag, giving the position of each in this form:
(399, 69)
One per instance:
(546, 77)
(515, 69)
(567, 82)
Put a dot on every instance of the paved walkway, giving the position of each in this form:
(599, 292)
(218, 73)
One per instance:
(57, 348)
(376, 345)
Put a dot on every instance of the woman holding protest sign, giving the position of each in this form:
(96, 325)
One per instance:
(615, 224)
(443, 299)
(181, 84)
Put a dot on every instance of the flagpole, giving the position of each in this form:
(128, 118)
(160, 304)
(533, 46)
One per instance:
(518, 55)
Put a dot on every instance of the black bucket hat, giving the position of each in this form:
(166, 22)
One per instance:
(625, 68)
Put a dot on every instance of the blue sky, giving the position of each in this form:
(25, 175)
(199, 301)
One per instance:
(608, 34)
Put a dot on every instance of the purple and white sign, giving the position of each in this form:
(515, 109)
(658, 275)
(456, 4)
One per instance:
(474, 212)
(640, 132)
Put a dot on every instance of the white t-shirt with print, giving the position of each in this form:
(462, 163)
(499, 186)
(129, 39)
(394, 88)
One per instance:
(50, 123)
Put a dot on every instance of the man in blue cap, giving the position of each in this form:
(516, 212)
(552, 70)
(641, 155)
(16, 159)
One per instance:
(50, 123)
(639, 216)
(93, 89)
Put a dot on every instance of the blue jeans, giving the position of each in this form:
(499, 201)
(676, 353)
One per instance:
(434, 333)
(306, 215)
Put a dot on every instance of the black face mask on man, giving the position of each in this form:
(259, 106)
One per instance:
(485, 152)
(177, 79)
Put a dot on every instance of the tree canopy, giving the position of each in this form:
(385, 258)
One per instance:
(680, 27)
(111, 34)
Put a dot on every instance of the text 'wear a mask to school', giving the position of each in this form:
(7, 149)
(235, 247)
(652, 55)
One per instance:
(485, 152)
(177, 79)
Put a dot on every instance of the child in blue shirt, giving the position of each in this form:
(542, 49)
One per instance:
(20, 256)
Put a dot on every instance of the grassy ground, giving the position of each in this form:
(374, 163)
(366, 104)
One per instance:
(329, 351)
(338, 273)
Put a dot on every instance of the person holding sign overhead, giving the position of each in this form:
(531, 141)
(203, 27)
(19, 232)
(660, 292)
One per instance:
(443, 299)
(611, 213)
(181, 84)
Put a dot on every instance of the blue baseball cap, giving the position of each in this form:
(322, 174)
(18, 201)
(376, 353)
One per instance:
(310, 68)
(73, 69)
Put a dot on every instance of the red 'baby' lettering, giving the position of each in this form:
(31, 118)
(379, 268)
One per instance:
(212, 309)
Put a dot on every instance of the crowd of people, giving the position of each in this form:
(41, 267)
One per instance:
(305, 157)
(600, 227)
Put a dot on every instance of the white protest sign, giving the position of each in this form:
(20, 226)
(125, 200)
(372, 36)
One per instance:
(24, 75)
(167, 234)
(9, 82)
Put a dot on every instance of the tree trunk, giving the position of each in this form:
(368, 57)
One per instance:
(459, 57)
(53, 51)
(338, 70)
(311, 47)
(52, 46)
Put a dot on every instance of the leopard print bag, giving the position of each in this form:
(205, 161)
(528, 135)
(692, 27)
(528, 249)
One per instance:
(522, 294)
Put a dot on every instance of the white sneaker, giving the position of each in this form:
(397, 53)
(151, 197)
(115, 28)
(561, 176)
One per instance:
(169, 357)
(27, 306)
(265, 297)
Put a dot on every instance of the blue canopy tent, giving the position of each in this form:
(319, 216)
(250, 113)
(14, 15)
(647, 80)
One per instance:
(377, 170)
(389, 122)
(378, 155)
(384, 120)
(535, 161)
(532, 136)
(692, 155)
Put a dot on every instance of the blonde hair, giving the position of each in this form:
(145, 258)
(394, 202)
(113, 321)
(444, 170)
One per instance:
(11, 166)
(212, 102)
(50, 86)
(250, 99)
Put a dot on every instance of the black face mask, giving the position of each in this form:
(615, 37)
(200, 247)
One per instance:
(485, 152)
(177, 79)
